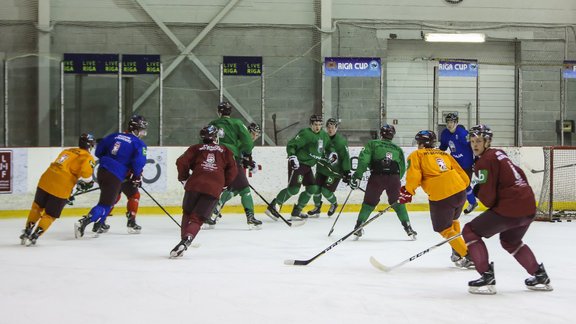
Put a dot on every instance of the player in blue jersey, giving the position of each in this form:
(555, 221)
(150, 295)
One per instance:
(455, 137)
(119, 154)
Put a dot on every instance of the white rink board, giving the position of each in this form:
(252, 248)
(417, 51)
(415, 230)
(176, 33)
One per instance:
(160, 176)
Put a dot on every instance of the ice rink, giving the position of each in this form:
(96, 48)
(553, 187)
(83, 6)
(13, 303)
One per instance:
(238, 276)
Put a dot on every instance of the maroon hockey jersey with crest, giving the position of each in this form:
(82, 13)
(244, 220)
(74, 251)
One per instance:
(213, 168)
(503, 185)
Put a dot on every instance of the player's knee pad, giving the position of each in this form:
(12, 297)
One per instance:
(512, 248)
(135, 196)
(293, 190)
(313, 189)
(468, 235)
(244, 192)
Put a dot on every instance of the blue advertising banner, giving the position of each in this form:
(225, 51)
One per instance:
(458, 68)
(367, 67)
(91, 63)
(242, 65)
(569, 70)
(140, 64)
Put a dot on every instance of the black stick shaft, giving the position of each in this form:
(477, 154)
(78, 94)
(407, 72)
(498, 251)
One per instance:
(271, 207)
(157, 203)
(341, 209)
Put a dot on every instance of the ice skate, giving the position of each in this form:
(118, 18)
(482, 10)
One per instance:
(315, 213)
(80, 226)
(485, 285)
(465, 263)
(253, 223)
(332, 209)
(209, 224)
(25, 234)
(297, 214)
(100, 227)
(131, 225)
(409, 231)
(470, 208)
(358, 234)
(179, 249)
(31, 241)
(539, 281)
(271, 211)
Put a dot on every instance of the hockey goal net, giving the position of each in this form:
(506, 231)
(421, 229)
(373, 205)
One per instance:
(558, 195)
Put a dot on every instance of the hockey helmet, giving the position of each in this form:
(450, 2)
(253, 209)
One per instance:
(86, 141)
(387, 132)
(426, 138)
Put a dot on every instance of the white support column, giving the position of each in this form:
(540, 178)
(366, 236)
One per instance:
(44, 37)
(326, 51)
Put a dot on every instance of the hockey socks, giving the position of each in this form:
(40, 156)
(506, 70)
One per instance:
(457, 244)
(34, 215)
(45, 222)
(329, 195)
(401, 212)
(365, 212)
(246, 199)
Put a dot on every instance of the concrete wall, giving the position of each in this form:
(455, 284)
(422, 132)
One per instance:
(285, 34)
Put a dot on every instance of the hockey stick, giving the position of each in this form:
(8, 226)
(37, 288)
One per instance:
(157, 203)
(560, 167)
(70, 200)
(340, 212)
(384, 268)
(306, 262)
(274, 211)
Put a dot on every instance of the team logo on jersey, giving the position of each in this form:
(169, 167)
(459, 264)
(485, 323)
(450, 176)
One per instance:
(62, 158)
(441, 164)
(320, 145)
(452, 146)
(479, 177)
(116, 148)
(210, 163)
(389, 156)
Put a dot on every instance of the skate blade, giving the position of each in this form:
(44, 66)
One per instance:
(269, 214)
(484, 290)
(356, 238)
(314, 216)
(207, 227)
(541, 287)
(413, 237)
(298, 222)
(254, 227)
(30, 243)
(77, 233)
(23, 241)
(130, 230)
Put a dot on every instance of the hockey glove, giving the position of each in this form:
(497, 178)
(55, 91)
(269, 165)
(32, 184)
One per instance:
(248, 163)
(333, 158)
(405, 196)
(293, 162)
(347, 177)
(354, 183)
(136, 181)
(83, 185)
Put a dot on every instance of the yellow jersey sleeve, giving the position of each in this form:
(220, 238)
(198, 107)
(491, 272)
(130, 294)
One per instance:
(62, 174)
(439, 175)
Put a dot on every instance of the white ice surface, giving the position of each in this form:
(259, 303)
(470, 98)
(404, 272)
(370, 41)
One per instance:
(238, 276)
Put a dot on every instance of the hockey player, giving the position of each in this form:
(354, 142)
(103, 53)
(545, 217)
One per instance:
(387, 167)
(455, 137)
(304, 150)
(503, 188)
(442, 178)
(226, 195)
(213, 167)
(73, 166)
(237, 138)
(328, 175)
(118, 153)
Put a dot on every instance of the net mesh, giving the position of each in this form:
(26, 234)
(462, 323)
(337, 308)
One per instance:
(558, 195)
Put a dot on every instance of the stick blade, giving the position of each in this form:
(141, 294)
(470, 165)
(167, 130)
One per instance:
(379, 265)
(296, 262)
(297, 223)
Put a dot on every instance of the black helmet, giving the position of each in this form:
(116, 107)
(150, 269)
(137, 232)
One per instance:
(137, 125)
(225, 108)
(254, 128)
(332, 121)
(481, 130)
(453, 116)
(387, 132)
(209, 134)
(315, 118)
(86, 141)
(426, 138)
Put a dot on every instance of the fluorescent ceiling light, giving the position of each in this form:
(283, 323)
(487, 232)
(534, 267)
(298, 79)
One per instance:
(455, 38)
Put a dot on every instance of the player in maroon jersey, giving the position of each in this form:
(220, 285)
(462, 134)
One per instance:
(502, 187)
(213, 168)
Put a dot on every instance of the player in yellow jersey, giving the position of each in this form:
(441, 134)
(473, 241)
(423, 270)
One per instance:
(73, 166)
(445, 182)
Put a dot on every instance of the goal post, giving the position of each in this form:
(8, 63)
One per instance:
(558, 195)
